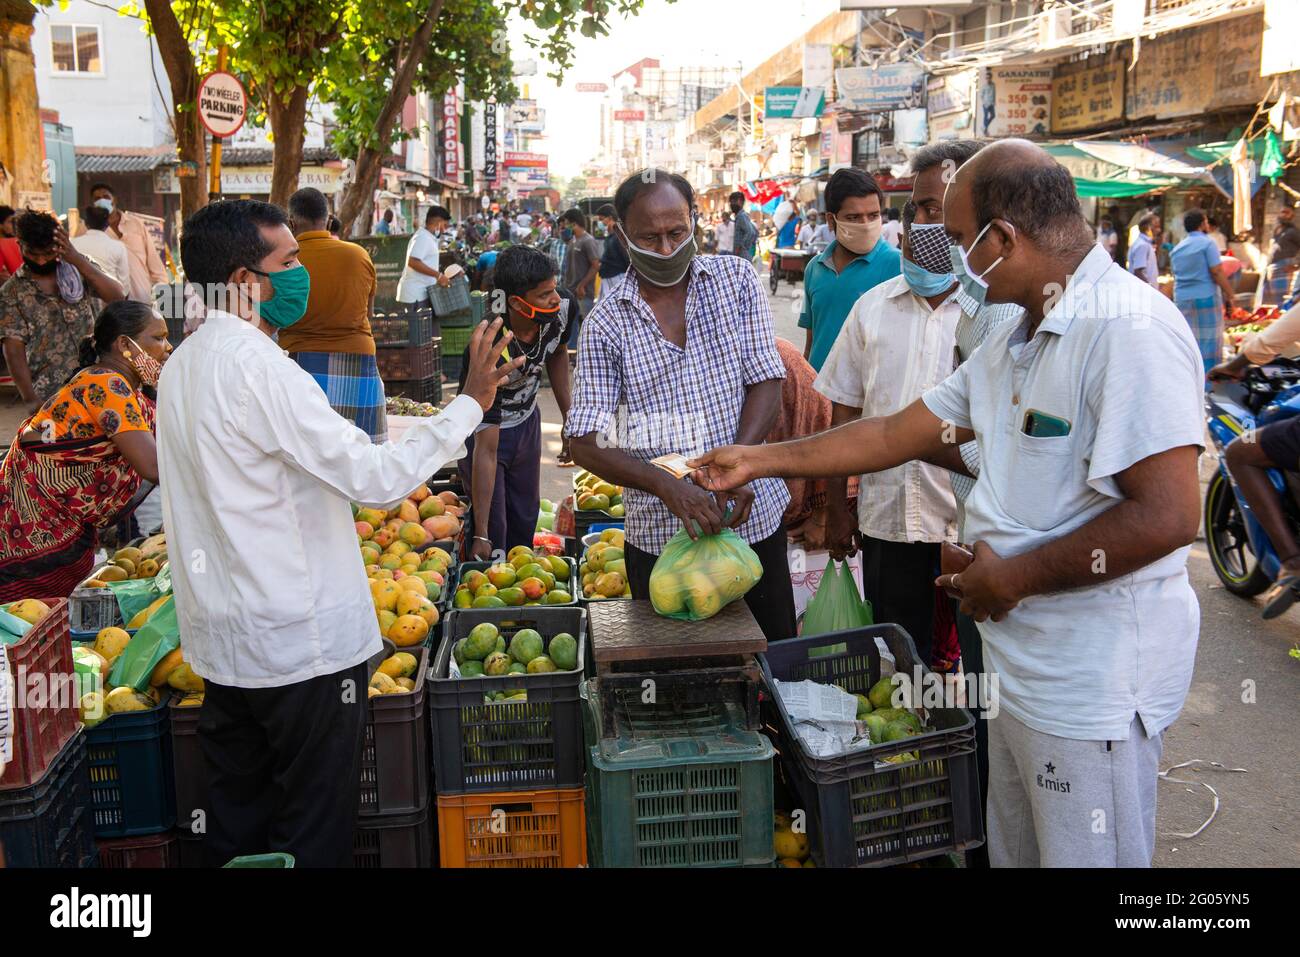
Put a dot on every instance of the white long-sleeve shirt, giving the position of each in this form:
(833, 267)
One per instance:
(257, 472)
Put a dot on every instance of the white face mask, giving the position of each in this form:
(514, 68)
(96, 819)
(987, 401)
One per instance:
(973, 288)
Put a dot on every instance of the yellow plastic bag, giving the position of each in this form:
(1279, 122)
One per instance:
(694, 580)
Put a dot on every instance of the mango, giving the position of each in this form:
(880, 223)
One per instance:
(487, 601)
(409, 513)
(557, 597)
(540, 665)
(386, 619)
(413, 534)
(113, 573)
(385, 594)
(382, 682)
(503, 576)
(563, 650)
(92, 708)
(559, 567)
(408, 630)
(474, 581)
(165, 666)
(124, 699)
(481, 641)
(431, 507)
(881, 693)
(512, 596)
(611, 584)
(30, 610)
(666, 593)
(111, 642)
(373, 516)
(183, 678)
(496, 663)
(526, 645)
(391, 666)
(408, 663)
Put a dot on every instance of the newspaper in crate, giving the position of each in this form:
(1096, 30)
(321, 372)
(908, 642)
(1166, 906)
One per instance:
(6, 711)
(824, 717)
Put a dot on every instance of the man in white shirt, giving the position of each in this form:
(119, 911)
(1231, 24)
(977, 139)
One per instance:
(257, 472)
(892, 231)
(147, 269)
(1082, 516)
(421, 270)
(109, 254)
(807, 229)
(898, 342)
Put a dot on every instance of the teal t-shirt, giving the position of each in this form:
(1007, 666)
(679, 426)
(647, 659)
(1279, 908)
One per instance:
(828, 296)
(1191, 262)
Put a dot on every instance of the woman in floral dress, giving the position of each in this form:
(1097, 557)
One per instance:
(85, 459)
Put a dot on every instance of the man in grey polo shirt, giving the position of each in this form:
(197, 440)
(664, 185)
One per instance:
(1081, 518)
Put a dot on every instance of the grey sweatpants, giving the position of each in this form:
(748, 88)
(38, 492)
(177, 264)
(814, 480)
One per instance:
(1059, 802)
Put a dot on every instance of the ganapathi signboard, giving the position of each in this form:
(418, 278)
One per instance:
(222, 103)
(1015, 101)
(1088, 94)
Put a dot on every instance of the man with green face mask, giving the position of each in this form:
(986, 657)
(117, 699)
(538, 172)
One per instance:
(685, 348)
(257, 472)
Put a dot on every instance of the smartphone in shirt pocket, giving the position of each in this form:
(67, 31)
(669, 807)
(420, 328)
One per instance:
(1042, 425)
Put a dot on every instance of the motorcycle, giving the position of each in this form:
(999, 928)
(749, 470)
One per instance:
(1243, 557)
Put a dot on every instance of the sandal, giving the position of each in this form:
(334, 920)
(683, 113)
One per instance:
(1281, 596)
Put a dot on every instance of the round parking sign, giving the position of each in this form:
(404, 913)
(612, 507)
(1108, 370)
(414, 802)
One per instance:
(222, 103)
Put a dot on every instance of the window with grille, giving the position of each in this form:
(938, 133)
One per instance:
(74, 48)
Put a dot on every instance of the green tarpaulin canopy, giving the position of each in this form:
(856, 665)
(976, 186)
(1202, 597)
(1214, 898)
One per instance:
(1101, 179)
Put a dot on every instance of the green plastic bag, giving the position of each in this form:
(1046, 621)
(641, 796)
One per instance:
(837, 606)
(695, 579)
(137, 594)
(157, 637)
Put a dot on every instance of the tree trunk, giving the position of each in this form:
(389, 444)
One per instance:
(370, 159)
(288, 124)
(183, 77)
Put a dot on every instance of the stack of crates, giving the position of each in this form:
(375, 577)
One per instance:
(45, 815)
(509, 773)
(394, 828)
(408, 354)
(676, 784)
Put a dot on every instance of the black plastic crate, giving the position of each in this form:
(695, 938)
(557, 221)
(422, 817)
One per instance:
(451, 300)
(395, 757)
(190, 772)
(47, 824)
(862, 813)
(402, 328)
(395, 840)
(132, 789)
(505, 746)
(407, 363)
(417, 390)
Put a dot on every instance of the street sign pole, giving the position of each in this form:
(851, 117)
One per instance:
(214, 179)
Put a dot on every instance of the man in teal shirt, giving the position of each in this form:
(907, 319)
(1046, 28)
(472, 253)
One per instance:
(856, 261)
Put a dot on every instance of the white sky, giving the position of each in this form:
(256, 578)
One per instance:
(685, 33)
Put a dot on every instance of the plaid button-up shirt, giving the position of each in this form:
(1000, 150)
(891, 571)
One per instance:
(650, 397)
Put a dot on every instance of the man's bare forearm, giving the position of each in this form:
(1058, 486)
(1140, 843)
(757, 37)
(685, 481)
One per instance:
(861, 447)
(1121, 540)
(15, 353)
(759, 413)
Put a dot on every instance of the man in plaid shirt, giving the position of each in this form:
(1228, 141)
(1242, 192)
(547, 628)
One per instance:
(681, 358)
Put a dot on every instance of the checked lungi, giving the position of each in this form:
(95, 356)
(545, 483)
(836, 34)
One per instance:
(1278, 282)
(1205, 316)
(352, 386)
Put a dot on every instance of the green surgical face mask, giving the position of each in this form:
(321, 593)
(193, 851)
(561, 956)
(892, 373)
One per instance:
(289, 291)
(658, 269)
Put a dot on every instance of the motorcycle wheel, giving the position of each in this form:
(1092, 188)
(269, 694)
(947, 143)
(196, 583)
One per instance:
(1229, 546)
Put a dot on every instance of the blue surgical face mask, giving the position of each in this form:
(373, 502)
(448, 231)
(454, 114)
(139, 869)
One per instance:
(566, 234)
(105, 204)
(925, 283)
(974, 289)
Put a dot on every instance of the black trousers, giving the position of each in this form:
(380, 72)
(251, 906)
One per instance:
(517, 489)
(284, 766)
(972, 662)
(771, 600)
(898, 578)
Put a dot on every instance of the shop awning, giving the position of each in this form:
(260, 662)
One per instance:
(114, 159)
(1105, 169)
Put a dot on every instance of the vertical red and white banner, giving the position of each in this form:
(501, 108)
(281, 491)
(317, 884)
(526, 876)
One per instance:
(451, 135)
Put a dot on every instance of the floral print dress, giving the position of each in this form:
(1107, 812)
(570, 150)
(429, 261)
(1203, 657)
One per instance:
(65, 481)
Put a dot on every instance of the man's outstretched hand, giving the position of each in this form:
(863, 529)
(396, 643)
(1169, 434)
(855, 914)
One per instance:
(725, 468)
(484, 375)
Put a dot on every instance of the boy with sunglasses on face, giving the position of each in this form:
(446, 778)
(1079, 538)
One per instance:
(502, 463)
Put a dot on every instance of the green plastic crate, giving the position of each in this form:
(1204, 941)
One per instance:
(682, 786)
(276, 860)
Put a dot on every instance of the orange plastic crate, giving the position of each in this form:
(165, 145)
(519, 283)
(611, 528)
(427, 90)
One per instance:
(513, 829)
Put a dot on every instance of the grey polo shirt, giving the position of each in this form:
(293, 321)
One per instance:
(1116, 360)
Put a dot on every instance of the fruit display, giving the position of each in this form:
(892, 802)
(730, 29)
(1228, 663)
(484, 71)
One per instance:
(883, 722)
(145, 560)
(545, 516)
(485, 653)
(395, 675)
(19, 617)
(93, 662)
(791, 845)
(400, 405)
(421, 519)
(603, 570)
(524, 578)
(591, 493)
